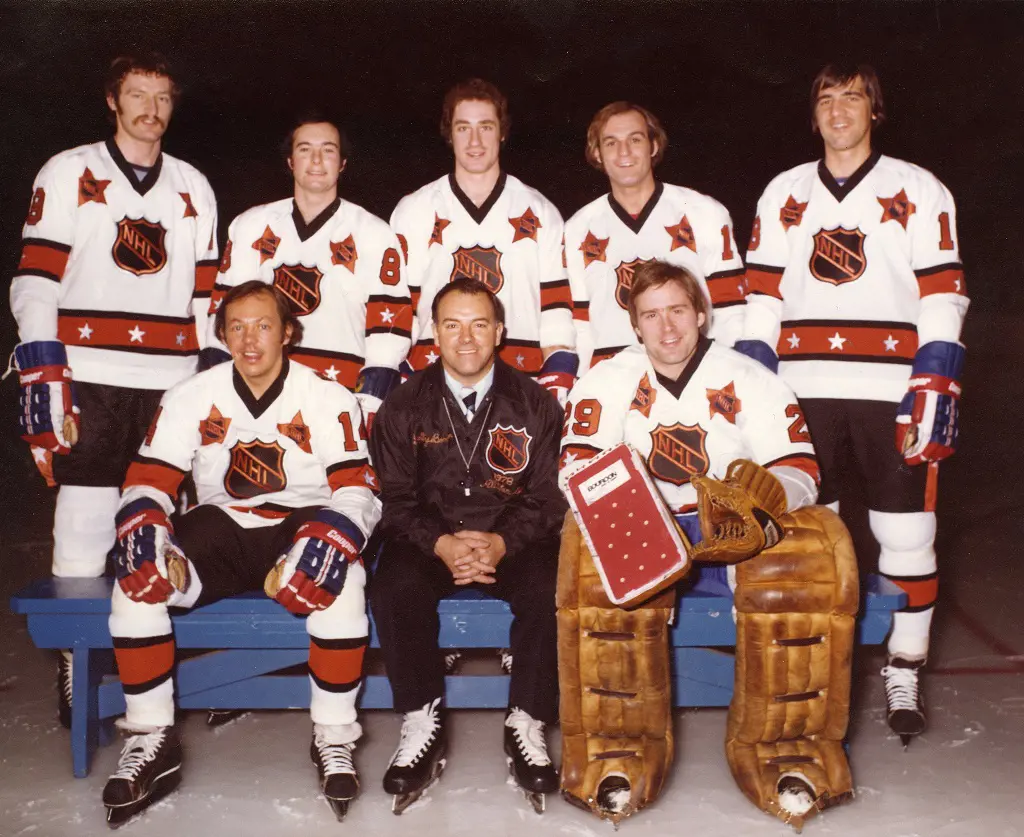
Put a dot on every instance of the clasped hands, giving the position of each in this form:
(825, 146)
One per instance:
(470, 555)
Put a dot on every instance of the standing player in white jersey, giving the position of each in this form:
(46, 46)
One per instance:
(339, 265)
(857, 297)
(641, 220)
(118, 257)
(482, 223)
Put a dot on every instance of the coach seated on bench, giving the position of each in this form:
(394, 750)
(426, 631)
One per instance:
(285, 495)
(466, 451)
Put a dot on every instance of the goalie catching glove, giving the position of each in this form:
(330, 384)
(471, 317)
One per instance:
(48, 416)
(927, 422)
(739, 515)
(310, 576)
(149, 564)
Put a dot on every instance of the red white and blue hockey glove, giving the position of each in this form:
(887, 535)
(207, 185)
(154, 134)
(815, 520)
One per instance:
(558, 374)
(48, 415)
(148, 562)
(760, 351)
(927, 422)
(310, 576)
(372, 387)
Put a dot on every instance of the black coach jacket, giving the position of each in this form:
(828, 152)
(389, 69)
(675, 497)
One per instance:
(511, 487)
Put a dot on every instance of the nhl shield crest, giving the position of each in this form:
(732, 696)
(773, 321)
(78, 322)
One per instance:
(509, 449)
(838, 255)
(139, 247)
(678, 452)
(624, 281)
(301, 285)
(480, 263)
(256, 468)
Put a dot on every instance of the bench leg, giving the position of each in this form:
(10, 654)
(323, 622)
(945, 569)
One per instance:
(90, 664)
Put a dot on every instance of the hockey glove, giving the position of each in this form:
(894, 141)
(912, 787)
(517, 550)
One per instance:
(48, 416)
(760, 351)
(739, 516)
(372, 387)
(558, 374)
(148, 562)
(311, 574)
(927, 421)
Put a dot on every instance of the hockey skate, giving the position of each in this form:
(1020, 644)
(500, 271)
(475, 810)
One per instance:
(219, 717)
(505, 658)
(452, 662)
(148, 769)
(338, 780)
(526, 752)
(903, 698)
(420, 757)
(64, 688)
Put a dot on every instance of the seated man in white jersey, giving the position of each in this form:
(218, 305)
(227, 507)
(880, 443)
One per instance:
(339, 266)
(642, 219)
(705, 419)
(478, 221)
(285, 502)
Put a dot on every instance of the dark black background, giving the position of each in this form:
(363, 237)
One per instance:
(729, 81)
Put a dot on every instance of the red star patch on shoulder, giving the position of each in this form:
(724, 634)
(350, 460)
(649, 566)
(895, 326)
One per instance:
(190, 210)
(345, 253)
(298, 431)
(792, 213)
(525, 226)
(644, 397)
(724, 402)
(593, 249)
(266, 245)
(682, 235)
(214, 428)
(897, 208)
(91, 189)
(437, 235)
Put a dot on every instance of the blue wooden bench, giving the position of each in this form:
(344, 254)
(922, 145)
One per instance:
(250, 637)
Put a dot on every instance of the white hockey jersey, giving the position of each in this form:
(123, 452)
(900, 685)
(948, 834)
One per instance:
(300, 444)
(118, 270)
(730, 407)
(512, 244)
(845, 282)
(343, 274)
(604, 244)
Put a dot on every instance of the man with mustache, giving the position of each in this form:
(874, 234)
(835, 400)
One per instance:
(118, 259)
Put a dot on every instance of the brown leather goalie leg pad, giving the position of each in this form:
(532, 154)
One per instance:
(796, 606)
(613, 671)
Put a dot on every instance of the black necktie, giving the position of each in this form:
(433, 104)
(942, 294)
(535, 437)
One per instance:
(470, 402)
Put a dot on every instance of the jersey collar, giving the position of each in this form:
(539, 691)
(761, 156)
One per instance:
(637, 224)
(148, 182)
(852, 182)
(477, 213)
(677, 386)
(258, 406)
(307, 231)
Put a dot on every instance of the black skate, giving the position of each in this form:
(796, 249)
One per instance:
(903, 698)
(452, 662)
(420, 757)
(64, 688)
(505, 657)
(338, 780)
(220, 717)
(148, 769)
(527, 756)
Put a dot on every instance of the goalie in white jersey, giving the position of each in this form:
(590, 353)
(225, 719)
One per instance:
(284, 487)
(640, 220)
(339, 265)
(857, 297)
(118, 257)
(483, 223)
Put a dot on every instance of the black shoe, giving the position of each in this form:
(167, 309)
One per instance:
(420, 756)
(527, 753)
(903, 697)
(64, 688)
(148, 769)
(338, 779)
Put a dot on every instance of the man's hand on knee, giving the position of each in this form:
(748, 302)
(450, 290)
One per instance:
(146, 552)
